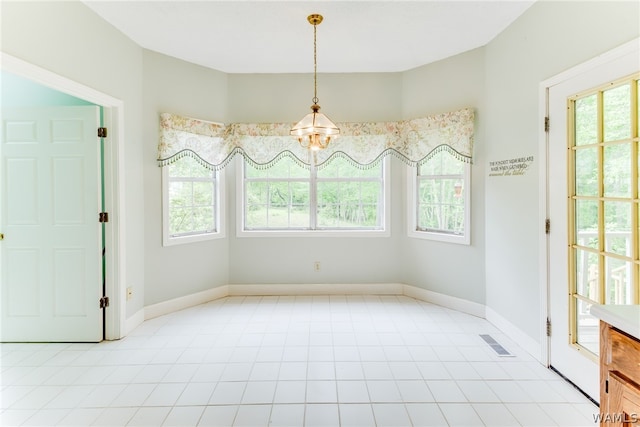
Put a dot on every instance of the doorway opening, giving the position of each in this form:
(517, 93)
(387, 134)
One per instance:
(112, 200)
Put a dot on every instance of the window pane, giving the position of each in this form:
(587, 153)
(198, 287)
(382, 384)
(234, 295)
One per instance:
(280, 169)
(278, 217)
(440, 195)
(444, 218)
(299, 216)
(203, 193)
(256, 193)
(188, 167)
(330, 170)
(256, 216)
(587, 327)
(370, 192)
(180, 193)
(203, 218)
(587, 223)
(257, 204)
(342, 168)
(179, 220)
(618, 238)
(587, 283)
(431, 167)
(617, 170)
(191, 192)
(442, 163)
(288, 204)
(283, 168)
(617, 281)
(586, 117)
(451, 165)
(346, 196)
(586, 171)
(604, 223)
(279, 196)
(428, 191)
(429, 217)
(251, 172)
(454, 219)
(191, 207)
(348, 204)
(328, 192)
(617, 113)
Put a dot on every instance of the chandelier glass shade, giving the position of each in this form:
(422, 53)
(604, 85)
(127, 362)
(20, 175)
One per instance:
(315, 130)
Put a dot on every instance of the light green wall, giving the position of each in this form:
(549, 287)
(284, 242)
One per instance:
(448, 268)
(546, 40)
(16, 91)
(287, 97)
(174, 86)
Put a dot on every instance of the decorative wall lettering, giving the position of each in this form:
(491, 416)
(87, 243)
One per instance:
(510, 167)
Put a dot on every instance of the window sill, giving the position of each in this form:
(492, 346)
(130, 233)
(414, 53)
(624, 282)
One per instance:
(180, 240)
(314, 233)
(440, 237)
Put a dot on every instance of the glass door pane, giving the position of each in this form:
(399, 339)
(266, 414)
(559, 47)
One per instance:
(604, 207)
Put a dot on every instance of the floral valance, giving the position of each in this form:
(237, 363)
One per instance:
(363, 144)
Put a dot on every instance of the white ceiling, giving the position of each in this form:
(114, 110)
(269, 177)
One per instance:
(275, 37)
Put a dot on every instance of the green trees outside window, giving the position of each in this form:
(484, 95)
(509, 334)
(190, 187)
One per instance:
(440, 195)
(191, 195)
(604, 204)
(288, 196)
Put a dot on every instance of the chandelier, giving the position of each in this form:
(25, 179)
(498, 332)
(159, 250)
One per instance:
(315, 130)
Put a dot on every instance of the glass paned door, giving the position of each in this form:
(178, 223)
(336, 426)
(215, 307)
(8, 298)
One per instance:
(592, 206)
(603, 204)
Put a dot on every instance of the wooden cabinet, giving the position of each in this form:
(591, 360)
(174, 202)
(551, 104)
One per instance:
(619, 378)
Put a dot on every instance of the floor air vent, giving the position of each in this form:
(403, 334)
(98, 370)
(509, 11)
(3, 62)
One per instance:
(500, 350)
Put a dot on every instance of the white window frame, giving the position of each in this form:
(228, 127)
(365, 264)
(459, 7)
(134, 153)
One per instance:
(384, 211)
(167, 239)
(412, 210)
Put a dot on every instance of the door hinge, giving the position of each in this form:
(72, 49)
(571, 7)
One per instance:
(104, 302)
(103, 217)
(548, 327)
(547, 226)
(102, 132)
(546, 124)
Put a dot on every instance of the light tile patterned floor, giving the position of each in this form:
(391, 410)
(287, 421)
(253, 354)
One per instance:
(290, 361)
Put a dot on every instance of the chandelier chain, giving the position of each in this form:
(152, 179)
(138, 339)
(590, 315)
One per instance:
(315, 66)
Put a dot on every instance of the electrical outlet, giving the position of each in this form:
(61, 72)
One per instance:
(129, 293)
(316, 266)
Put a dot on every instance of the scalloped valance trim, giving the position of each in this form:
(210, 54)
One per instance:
(364, 145)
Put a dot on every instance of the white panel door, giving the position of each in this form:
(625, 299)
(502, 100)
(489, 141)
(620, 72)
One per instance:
(51, 271)
(576, 362)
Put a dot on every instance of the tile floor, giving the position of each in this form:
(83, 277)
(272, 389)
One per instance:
(290, 361)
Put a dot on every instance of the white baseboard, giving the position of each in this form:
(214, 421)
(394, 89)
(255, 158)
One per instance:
(318, 289)
(186, 301)
(514, 333)
(133, 322)
(455, 303)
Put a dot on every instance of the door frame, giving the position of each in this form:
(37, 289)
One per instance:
(543, 185)
(114, 188)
